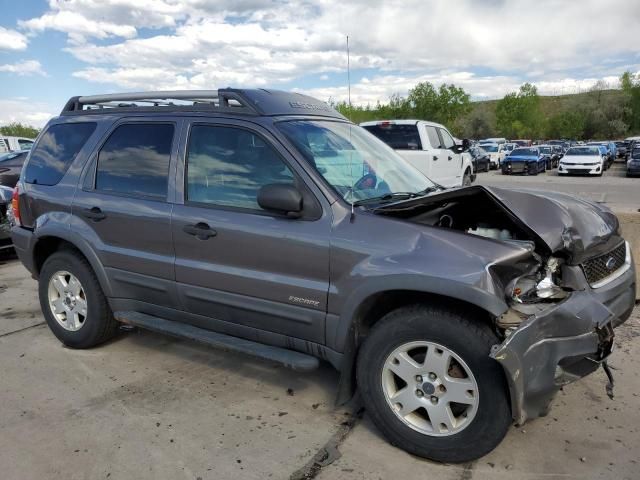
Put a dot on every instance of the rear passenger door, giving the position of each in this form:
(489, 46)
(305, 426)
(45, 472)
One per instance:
(250, 271)
(123, 209)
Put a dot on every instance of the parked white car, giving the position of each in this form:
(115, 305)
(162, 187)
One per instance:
(585, 159)
(496, 152)
(11, 144)
(429, 147)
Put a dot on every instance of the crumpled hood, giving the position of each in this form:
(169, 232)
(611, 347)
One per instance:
(561, 221)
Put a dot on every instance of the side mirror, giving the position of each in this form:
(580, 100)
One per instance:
(466, 144)
(282, 198)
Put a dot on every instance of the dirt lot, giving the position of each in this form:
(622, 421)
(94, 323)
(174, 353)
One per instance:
(148, 406)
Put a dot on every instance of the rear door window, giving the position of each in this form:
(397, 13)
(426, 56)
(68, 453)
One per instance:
(55, 151)
(135, 160)
(434, 140)
(398, 137)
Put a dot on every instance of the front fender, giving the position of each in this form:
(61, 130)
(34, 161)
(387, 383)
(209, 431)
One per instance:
(475, 294)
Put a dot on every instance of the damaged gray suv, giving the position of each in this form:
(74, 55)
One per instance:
(265, 223)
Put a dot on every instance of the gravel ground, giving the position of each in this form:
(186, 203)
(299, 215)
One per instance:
(146, 406)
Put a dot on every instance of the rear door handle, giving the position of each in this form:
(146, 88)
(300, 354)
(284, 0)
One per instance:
(450, 158)
(94, 214)
(200, 230)
(435, 157)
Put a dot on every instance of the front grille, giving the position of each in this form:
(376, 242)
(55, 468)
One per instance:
(596, 269)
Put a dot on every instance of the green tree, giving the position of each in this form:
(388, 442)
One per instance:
(443, 105)
(518, 115)
(16, 129)
(630, 85)
(566, 124)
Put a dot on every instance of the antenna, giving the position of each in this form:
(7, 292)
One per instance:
(353, 213)
(348, 76)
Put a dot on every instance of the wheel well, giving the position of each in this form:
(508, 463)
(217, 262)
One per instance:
(46, 246)
(378, 305)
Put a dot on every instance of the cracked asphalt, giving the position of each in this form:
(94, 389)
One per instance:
(146, 406)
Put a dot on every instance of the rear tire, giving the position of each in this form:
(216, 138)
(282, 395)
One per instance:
(73, 303)
(468, 434)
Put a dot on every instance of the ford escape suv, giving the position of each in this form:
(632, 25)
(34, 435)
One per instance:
(264, 222)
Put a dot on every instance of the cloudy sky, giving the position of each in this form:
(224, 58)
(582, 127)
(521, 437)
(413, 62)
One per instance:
(52, 50)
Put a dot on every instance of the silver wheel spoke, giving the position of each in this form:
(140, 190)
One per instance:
(58, 305)
(406, 401)
(458, 391)
(81, 307)
(437, 363)
(71, 321)
(74, 286)
(441, 417)
(60, 284)
(406, 367)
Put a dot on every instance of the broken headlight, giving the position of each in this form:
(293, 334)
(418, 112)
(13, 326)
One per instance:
(537, 286)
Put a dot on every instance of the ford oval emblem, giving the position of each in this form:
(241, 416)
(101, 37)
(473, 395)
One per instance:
(611, 263)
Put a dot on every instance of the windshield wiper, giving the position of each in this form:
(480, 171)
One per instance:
(387, 197)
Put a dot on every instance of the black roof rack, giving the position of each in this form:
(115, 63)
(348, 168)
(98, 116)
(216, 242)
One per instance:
(175, 99)
(246, 101)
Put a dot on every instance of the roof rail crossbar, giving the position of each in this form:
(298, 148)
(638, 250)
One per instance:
(214, 99)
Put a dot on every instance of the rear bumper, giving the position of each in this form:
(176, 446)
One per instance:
(23, 240)
(633, 170)
(563, 343)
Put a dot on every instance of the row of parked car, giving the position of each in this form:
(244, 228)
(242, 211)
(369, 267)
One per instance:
(570, 157)
(13, 153)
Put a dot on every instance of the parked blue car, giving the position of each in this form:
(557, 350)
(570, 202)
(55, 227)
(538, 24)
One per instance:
(524, 160)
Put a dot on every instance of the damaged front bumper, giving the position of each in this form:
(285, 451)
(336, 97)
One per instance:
(563, 343)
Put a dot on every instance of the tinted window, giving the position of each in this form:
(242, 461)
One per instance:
(135, 160)
(55, 151)
(447, 141)
(434, 140)
(398, 137)
(525, 151)
(227, 166)
(25, 144)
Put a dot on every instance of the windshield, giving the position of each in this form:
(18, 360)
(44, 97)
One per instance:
(525, 151)
(583, 151)
(490, 148)
(635, 153)
(509, 146)
(545, 149)
(353, 161)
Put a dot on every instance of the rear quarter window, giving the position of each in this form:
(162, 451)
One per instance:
(55, 151)
(398, 137)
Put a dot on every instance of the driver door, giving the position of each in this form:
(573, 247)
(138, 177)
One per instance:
(242, 269)
(451, 161)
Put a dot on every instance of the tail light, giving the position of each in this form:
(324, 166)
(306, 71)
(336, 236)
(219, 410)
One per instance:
(15, 206)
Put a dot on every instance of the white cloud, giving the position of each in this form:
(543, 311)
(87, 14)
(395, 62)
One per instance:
(12, 40)
(24, 111)
(25, 67)
(207, 44)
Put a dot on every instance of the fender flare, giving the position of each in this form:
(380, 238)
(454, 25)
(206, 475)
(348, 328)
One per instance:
(64, 233)
(444, 287)
(344, 339)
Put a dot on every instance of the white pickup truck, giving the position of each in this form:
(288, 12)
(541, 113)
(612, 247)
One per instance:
(427, 146)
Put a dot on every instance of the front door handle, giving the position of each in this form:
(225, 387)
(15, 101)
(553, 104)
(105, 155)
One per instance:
(450, 158)
(94, 214)
(200, 230)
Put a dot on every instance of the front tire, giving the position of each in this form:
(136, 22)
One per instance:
(466, 178)
(72, 301)
(428, 383)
